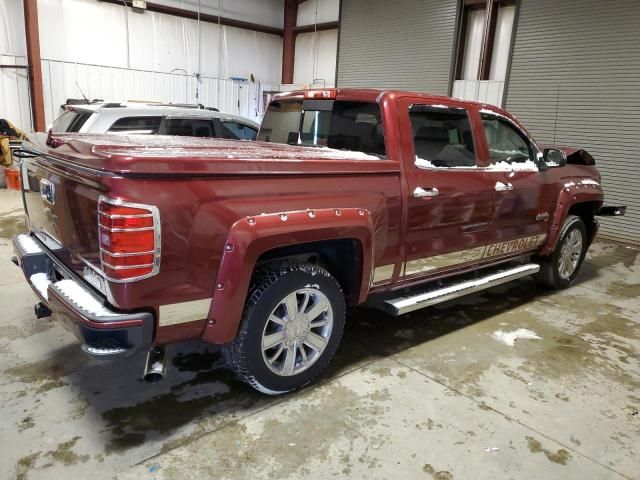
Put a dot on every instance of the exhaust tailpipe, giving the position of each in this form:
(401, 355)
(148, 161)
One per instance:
(155, 367)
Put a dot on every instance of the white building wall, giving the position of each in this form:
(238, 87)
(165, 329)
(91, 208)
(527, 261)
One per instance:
(114, 53)
(316, 52)
(315, 58)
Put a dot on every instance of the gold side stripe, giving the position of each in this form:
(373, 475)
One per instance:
(436, 262)
(183, 312)
(380, 274)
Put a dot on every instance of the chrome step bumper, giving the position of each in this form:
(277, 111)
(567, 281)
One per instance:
(439, 294)
(102, 331)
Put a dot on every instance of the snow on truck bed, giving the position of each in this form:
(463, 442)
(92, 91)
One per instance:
(144, 146)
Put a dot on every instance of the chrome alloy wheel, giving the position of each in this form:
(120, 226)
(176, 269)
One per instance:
(297, 331)
(570, 253)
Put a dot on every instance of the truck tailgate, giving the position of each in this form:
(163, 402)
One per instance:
(61, 204)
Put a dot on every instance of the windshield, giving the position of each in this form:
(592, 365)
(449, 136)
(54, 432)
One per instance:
(343, 125)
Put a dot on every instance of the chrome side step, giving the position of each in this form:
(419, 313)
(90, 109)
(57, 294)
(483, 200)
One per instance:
(439, 294)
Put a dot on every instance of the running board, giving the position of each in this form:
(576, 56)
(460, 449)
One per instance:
(439, 294)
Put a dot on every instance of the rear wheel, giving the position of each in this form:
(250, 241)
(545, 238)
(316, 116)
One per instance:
(560, 269)
(290, 330)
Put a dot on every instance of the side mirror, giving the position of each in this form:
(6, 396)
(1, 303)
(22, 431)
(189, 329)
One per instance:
(554, 157)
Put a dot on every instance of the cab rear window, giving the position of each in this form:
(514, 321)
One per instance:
(343, 125)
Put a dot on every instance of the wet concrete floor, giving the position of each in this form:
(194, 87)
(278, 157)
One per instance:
(437, 394)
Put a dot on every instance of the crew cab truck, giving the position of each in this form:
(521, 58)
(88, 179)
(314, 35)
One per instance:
(395, 199)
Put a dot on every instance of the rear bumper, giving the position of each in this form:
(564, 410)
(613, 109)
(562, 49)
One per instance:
(103, 331)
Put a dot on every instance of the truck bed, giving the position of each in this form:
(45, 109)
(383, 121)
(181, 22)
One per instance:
(163, 155)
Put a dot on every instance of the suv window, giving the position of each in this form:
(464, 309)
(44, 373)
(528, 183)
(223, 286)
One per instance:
(343, 125)
(136, 125)
(237, 130)
(506, 143)
(442, 137)
(70, 121)
(188, 127)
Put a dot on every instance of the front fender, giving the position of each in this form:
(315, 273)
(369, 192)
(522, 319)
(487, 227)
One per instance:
(250, 237)
(572, 193)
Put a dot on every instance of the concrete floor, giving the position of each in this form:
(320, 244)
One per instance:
(431, 395)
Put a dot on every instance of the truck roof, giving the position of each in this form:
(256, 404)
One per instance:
(374, 94)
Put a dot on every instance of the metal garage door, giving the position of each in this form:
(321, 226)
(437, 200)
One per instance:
(405, 44)
(583, 59)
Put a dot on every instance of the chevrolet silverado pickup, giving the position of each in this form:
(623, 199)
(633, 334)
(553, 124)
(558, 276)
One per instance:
(392, 199)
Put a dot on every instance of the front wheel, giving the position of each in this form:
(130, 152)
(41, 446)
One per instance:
(290, 330)
(560, 269)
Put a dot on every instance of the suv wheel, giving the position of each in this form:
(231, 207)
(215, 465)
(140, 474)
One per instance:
(290, 329)
(560, 269)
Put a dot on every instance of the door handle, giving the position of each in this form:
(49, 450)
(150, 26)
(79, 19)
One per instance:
(420, 192)
(503, 187)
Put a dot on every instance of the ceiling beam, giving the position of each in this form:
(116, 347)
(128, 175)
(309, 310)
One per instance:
(316, 27)
(205, 17)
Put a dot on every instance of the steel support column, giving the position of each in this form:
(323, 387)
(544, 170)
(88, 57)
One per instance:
(35, 65)
(289, 40)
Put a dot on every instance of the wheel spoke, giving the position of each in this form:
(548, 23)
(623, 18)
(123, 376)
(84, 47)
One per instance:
(303, 353)
(275, 356)
(319, 323)
(289, 360)
(305, 302)
(317, 309)
(291, 304)
(270, 341)
(278, 320)
(315, 341)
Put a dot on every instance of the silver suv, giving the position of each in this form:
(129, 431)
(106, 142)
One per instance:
(153, 119)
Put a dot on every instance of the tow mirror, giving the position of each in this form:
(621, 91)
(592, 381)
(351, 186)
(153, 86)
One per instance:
(554, 157)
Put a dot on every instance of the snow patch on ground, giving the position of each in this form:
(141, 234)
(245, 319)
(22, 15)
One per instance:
(509, 338)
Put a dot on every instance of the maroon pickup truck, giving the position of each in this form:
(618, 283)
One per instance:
(395, 199)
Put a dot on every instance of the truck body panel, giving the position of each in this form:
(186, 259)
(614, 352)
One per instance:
(224, 206)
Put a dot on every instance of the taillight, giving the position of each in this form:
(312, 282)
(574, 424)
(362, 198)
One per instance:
(129, 239)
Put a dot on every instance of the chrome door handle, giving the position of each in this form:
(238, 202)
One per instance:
(503, 187)
(420, 192)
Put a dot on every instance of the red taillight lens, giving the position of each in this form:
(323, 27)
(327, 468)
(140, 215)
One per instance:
(110, 209)
(127, 261)
(126, 222)
(129, 273)
(129, 243)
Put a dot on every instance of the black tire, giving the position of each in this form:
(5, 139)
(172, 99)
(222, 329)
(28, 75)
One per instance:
(270, 286)
(549, 275)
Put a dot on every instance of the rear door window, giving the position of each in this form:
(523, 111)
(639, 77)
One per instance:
(136, 125)
(188, 127)
(442, 137)
(70, 121)
(236, 130)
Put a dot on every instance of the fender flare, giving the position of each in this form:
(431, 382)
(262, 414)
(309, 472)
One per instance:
(252, 236)
(572, 193)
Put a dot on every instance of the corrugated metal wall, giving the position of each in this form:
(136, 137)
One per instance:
(405, 44)
(583, 58)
